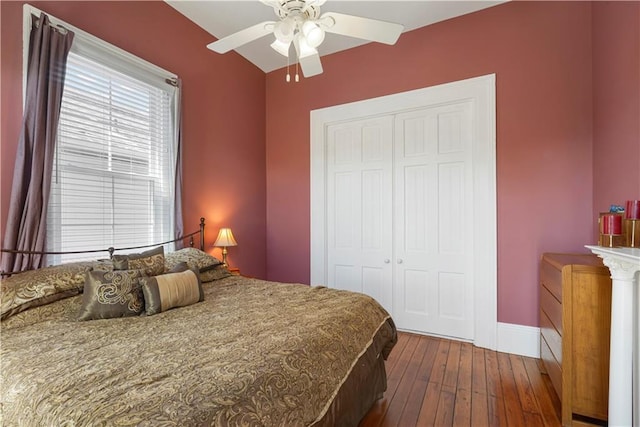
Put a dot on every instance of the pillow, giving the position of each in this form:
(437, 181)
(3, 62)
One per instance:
(101, 264)
(180, 267)
(109, 294)
(171, 290)
(215, 273)
(39, 287)
(151, 261)
(195, 258)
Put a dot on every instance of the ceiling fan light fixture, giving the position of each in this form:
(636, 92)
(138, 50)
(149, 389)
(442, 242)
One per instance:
(284, 30)
(303, 47)
(301, 23)
(281, 47)
(312, 33)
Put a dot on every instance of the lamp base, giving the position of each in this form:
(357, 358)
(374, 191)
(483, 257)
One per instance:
(224, 256)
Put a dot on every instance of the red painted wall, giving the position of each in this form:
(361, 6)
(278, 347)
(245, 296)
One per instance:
(541, 54)
(616, 103)
(223, 111)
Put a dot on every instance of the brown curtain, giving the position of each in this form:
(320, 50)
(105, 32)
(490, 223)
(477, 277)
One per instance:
(177, 198)
(26, 225)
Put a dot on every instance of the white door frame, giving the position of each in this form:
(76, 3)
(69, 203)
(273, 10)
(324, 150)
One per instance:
(481, 92)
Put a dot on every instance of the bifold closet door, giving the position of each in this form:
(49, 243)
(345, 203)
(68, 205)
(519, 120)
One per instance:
(400, 215)
(403, 198)
(359, 207)
(433, 283)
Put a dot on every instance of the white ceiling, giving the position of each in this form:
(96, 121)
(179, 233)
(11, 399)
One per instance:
(223, 17)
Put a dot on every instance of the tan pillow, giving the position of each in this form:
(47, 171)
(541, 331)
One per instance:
(109, 294)
(151, 261)
(171, 290)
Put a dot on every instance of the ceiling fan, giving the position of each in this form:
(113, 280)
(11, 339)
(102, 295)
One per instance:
(300, 24)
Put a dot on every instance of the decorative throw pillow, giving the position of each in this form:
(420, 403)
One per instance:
(215, 273)
(195, 259)
(109, 294)
(171, 290)
(179, 267)
(151, 261)
(101, 265)
(33, 288)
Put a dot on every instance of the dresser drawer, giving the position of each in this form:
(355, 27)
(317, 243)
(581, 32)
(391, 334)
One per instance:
(551, 278)
(551, 336)
(551, 307)
(554, 370)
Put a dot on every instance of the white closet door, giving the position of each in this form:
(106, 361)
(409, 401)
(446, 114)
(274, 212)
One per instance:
(433, 291)
(359, 207)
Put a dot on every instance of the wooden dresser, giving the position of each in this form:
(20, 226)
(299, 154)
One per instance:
(575, 319)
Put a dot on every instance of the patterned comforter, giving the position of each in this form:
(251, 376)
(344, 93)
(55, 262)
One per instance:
(253, 353)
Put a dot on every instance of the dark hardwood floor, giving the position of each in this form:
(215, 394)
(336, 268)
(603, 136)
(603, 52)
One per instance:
(438, 382)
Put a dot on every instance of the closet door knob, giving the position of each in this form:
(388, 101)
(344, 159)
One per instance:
(387, 261)
(399, 261)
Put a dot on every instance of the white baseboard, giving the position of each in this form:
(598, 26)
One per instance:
(519, 339)
(511, 338)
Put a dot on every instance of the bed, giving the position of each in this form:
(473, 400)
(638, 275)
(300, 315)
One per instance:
(251, 353)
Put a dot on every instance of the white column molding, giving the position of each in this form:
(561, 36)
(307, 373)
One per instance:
(624, 363)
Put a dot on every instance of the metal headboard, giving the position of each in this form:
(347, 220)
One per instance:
(112, 250)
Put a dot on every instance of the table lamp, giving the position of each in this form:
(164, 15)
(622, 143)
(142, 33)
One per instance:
(225, 238)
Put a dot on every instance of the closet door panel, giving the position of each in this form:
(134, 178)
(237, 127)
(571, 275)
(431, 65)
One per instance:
(433, 290)
(359, 207)
(451, 183)
(451, 289)
(414, 283)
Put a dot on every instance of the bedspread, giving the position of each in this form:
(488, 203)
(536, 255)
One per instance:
(252, 353)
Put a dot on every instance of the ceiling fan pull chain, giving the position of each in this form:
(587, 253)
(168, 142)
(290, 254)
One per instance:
(297, 76)
(288, 77)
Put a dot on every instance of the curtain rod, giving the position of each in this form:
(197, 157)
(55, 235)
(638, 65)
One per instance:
(84, 35)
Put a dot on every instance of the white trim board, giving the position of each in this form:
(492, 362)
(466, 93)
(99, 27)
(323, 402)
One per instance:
(480, 90)
(515, 339)
(519, 339)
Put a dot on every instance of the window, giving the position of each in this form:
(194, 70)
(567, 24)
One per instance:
(114, 165)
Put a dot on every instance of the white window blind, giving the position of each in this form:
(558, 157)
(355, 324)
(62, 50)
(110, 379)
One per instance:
(114, 165)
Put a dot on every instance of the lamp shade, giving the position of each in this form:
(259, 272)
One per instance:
(225, 238)
(312, 33)
(284, 30)
(281, 47)
(303, 47)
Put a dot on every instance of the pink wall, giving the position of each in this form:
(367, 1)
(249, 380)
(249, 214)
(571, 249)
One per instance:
(552, 178)
(223, 110)
(541, 54)
(616, 103)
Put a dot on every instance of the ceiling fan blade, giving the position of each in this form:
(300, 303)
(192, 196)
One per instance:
(242, 37)
(362, 28)
(308, 57)
(311, 65)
